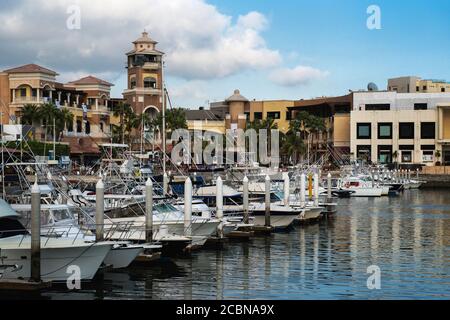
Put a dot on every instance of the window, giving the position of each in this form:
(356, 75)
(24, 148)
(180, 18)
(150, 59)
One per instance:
(364, 131)
(406, 130)
(79, 126)
(288, 115)
(428, 147)
(428, 130)
(133, 82)
(70, 127)
(384, 154)
(364, 152)
(101, 126)
(273, 115)
(406, 156)
(150, 82)
(424, 88)
(417, 89)
(23, 92)
(385, 130)
(427, 156)
(406, 147)
(88, 127)
(420, 106)
(258, 115)
(378, 107)
(442, 89)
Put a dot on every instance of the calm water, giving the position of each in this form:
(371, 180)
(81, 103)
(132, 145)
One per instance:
(408, 237)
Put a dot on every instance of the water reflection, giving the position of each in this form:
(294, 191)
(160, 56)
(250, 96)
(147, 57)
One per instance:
(407, 237)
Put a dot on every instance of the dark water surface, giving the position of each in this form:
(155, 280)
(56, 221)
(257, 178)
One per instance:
(408, 237)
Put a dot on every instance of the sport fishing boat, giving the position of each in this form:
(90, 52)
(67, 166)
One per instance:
(56, 253)
(168, 226)
(361, 187)
(59, 221)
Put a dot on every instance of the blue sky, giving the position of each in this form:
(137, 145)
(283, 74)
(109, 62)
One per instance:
(332, 35)
(268, 49)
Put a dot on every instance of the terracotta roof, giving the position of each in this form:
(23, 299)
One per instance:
(237, 97)
(31, 68)
(85, 145)
(90, 80)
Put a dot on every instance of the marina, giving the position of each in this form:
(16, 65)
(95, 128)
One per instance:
(219, 153)
(408, 237)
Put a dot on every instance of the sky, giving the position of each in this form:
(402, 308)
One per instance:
(290, 49)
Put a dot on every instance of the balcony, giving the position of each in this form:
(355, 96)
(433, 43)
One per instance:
(144, 91)
(151, 66)
(30, 100)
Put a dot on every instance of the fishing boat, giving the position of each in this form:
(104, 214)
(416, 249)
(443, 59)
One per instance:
(57, 254)
(59, 221)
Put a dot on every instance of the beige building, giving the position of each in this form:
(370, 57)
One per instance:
(88, 99)
(412, 84)
(408, 128)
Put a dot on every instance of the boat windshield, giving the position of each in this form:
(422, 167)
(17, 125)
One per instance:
(165, 208)
(61, 214)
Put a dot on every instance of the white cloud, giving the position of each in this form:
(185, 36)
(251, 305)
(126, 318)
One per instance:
(300, 75)
(200, 42)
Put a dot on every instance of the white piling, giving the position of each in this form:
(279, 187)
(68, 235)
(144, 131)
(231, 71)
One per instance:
(35, 233)
(286, 186)
(219, 205)
(165, 184)
(188, 207)
(100, 210)
(329, 195)
(303, 190)
(316, 190)
(246, 201)
(149, 211)
(267, 202)
(417, 174)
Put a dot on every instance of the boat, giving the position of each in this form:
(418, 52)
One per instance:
(58, 221)
(57, 254)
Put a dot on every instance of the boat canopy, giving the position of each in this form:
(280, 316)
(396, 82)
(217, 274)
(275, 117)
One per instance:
(6, 211)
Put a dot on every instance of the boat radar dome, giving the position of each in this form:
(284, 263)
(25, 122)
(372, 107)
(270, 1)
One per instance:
(372, 87)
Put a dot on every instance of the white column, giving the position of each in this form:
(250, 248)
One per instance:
(303, 190)
(286, 186)
(59, 97)
(38, 94)
(188, 207)
(78, 100)
(14, 96)
(51, 95)
(96, 104)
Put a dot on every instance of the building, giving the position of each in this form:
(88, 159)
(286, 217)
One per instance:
(88, 99)
(145, 76)
(412, 84)
(407, 128)
(335, 111)
(238, 110)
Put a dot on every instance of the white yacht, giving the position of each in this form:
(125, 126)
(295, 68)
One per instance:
(362, 187)
(57, 254)
(59, 221)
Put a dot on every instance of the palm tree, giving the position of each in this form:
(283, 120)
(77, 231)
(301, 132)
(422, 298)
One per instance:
(64, 119)
(293, 146)
(30, 115)
(47, 113)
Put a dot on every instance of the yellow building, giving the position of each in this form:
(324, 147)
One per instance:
(415, 84)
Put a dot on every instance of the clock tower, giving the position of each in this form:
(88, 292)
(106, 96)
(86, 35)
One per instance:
(144, 63)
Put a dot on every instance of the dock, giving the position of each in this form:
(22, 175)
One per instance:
(24, 285)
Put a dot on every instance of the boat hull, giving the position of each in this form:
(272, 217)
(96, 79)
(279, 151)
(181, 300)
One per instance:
(55, 261)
